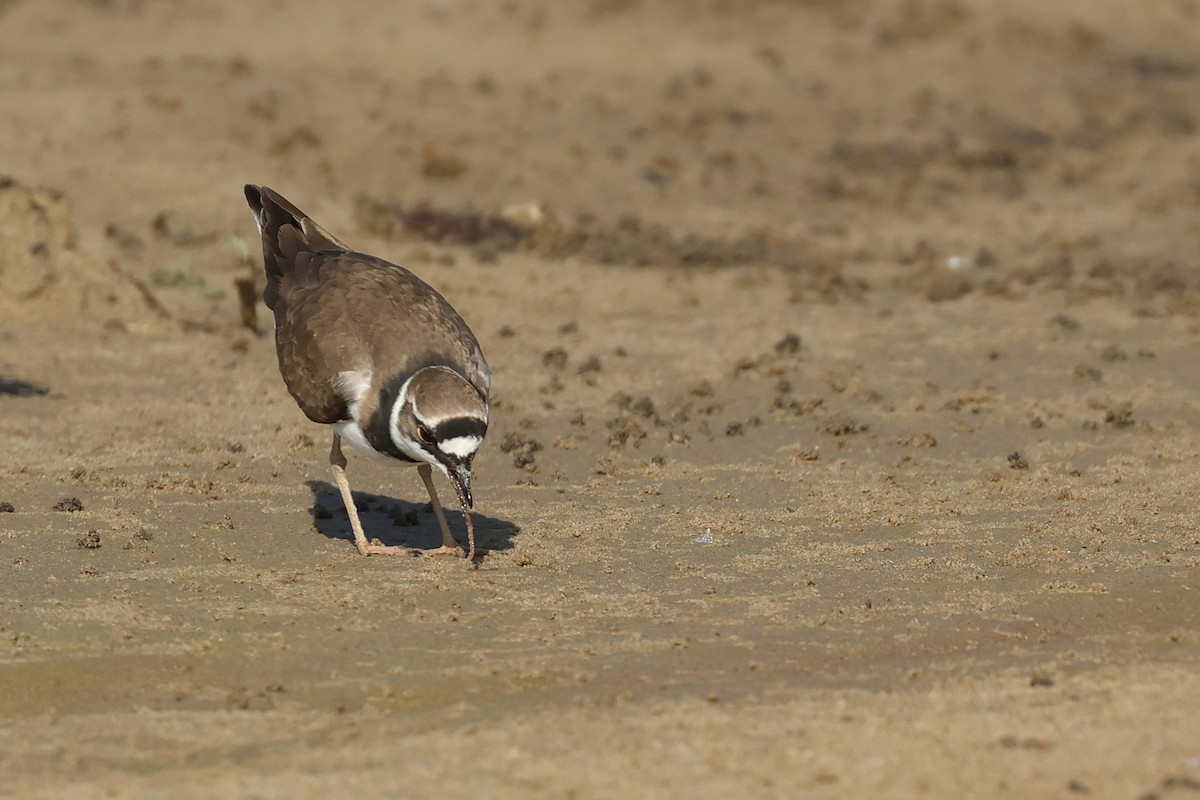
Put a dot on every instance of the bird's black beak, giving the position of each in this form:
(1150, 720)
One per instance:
(460, 476)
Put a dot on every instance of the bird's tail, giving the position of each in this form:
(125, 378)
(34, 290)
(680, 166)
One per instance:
(287, 232)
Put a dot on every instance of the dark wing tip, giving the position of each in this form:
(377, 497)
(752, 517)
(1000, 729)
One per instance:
(254, 197)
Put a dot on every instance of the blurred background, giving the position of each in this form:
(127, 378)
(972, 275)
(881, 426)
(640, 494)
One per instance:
(1055, 142)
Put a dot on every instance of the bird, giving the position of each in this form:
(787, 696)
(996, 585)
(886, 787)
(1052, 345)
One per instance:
(378, 356)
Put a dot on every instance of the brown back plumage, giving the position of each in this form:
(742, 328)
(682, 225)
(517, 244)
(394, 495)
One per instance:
(340, 313)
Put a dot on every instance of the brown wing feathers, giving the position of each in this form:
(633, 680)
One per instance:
(287, 234)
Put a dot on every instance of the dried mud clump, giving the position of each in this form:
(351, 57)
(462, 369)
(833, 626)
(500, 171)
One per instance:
(841, 425)
(1119, 415)
(797, 407)
(1017, 461)
(1113, 352)
(90, 541)
(642, 407)
(789, 344)
(1065, 322)
(591, 365)
(779, 360)
(555, 358)
(522, 449)
(806, 454)
(623, 432)
(917, 440)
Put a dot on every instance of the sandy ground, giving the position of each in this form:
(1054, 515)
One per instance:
(845, 431)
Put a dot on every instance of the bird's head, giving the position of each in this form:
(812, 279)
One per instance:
(441, 419)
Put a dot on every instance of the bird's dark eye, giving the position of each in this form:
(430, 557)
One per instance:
(424, 435)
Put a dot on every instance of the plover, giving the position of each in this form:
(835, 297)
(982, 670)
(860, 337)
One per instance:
(369, 349)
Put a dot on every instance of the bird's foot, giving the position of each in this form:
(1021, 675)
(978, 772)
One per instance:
(377, 548)
(455, 550)
(444, 550)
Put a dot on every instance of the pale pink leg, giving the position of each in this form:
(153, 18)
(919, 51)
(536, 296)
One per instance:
(338, 462)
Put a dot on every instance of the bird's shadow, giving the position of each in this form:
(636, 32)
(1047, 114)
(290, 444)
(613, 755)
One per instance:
(401, 523)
